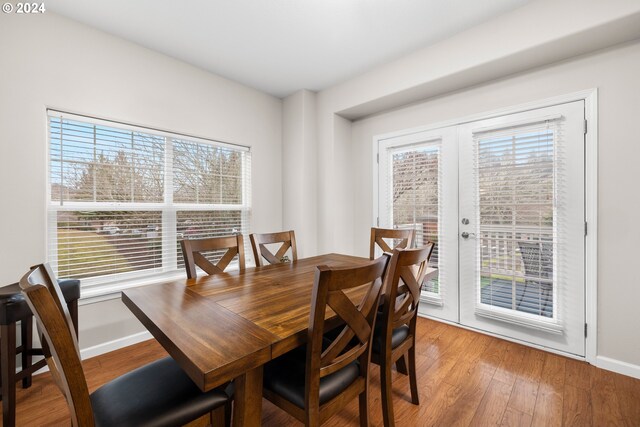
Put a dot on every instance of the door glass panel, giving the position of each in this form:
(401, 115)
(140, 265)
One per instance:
(515, 178)
(415, 191)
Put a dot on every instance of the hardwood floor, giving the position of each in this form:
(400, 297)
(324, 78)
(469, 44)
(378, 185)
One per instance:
(465, 379)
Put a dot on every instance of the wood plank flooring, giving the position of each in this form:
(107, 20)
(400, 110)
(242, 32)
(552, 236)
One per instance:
(465, 379)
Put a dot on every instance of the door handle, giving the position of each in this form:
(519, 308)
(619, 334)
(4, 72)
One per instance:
(466, 235)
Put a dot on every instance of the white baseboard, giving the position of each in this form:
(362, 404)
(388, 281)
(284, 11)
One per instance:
(503, 337)
(618, 366)
(108, 346)
(602, 362)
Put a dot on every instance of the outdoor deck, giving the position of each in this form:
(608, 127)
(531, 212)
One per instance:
(530, 296)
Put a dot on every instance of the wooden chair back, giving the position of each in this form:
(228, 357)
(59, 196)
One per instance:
(45, 299)
(261, 252)
(192, 253)
(329, 292)
(403, 284)
(378, 236)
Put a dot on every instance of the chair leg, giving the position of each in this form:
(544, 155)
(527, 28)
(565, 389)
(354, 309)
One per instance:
(218, 416)
(26, 332)
(73, 311)
(8, 362)
(228, 410)
(401, 365)
(385, 389)
(312, 420)
(413, 376)
(363, 403)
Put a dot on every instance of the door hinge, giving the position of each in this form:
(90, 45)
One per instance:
(377, 157)
(585, 127)
(377, 221)
(585, 330)
(586, 228)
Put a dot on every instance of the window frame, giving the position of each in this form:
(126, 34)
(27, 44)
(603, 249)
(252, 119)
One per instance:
(110, 285)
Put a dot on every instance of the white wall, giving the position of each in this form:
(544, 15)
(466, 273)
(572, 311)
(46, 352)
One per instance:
(536, 34)
(510, 52)
(615, 73)
(50, 61)
(299, 170)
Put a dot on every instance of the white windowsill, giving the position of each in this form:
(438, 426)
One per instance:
(503, 315)
(108, 291)
(431, 298)
(95, 293)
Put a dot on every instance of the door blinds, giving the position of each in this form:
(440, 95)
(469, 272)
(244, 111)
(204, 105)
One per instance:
(412, 187)
(518, 172)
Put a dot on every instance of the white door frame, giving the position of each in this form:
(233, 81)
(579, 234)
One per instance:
(590, 98)
(443, 306)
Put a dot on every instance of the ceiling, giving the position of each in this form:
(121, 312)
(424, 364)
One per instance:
(280, 46)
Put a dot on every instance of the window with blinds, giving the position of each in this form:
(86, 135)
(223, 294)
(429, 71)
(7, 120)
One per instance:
(122, 197)
(415, 181)
(517, 169)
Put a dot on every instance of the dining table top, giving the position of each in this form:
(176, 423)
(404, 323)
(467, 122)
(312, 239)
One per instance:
(215, 325)
(219, 326)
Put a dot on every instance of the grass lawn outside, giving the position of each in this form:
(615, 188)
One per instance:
(95, 253)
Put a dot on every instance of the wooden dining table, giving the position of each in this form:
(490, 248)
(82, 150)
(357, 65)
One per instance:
(225, 327)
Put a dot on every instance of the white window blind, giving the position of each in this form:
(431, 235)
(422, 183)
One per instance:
(122, 197)
(413, 191)
(517, 175)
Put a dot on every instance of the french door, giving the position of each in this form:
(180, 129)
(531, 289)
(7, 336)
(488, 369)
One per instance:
(418, 189)
(503, 199)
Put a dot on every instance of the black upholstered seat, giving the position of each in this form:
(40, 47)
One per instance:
(286, 377)
(398, 335)
(13, 306)
(158, 394)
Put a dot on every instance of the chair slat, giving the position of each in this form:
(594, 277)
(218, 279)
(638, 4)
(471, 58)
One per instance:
(348, 312)
(192, 253)
(261, 252)
(378, 236)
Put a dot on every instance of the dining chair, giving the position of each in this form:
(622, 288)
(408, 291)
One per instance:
(394, 338)
(378, 236)
(158, 394)
(14, 309)
(537, 294)
(192, 251)
(260, 251)
(315, 381)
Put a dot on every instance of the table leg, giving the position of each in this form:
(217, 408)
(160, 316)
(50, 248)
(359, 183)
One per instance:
(247, 409)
